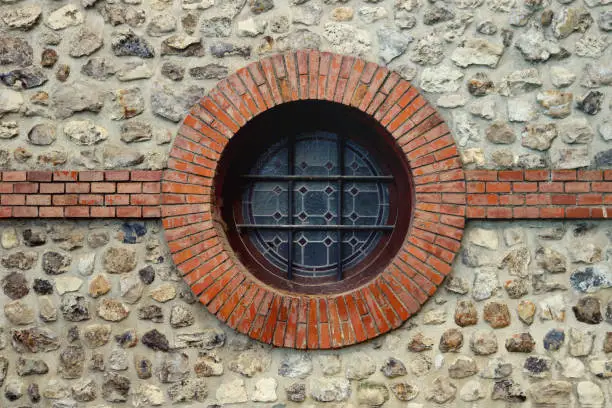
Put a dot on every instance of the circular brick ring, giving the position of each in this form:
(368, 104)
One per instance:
(198, 242)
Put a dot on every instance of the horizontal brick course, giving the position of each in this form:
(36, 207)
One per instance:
(79, 194)
(550, 194)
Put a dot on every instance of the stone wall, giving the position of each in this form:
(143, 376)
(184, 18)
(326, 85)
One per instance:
(94, 312)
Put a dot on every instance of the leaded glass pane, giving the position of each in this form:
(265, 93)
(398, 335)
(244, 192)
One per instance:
(365, 203)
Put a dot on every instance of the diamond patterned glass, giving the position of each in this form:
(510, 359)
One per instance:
(315, 202)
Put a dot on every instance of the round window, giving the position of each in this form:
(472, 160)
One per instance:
(315, 197)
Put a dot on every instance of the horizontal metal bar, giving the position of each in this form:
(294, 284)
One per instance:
(315, 227)
(257, 177)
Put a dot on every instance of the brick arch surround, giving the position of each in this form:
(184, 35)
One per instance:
(197, 240)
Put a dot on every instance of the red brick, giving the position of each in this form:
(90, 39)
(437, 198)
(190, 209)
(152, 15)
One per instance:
(76, 212)
(102, 187)
(129, 212)
(25, 212)
(51, 212)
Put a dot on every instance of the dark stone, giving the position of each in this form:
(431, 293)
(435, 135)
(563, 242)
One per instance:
(296, 392)
(34, 393)
(393, 367)
(590, 279)
(607, 346)
(127, 43)
(74, 307)
(147, 275)
(224, 49)
(127, 339)
(29, 77)
(210, 71)
(144, 368)
(48, 58)
(546, 17)
(151, 312)
(604, 159)
(466, 313)
(508, 391)
(43, 286)
(520, 343)
(451, 340)
(480, 84)
(14, 50)
(591, 102)
(99, 68)
(115, 387)
(173, 71)
(507, 36)
(155, 340)
(261, 6)
(537, 366)
(132, 231)
(4, 363)
(437, 14)
(63, 72)
(34, 237)
(73, 334)
(554, 339)
(588, 310)
(55, 263)
(34, 340)
(15, 285)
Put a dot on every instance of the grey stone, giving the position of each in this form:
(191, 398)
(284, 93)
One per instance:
(250, 362)
(596, 75)
(15, 285)
(112, 310)
(483, 342)
(42, 134)
(554, 339)
(74, 307)
(173, 71)
(34, 340)
(55, 263)
(360, 367)
(496, 368)
(486, 283)
(9, 130)
(372, 394)
(572, 157)
(127, 43)
(590, 103)
(31, 366)
(392, 368)
(440, 79)
(155, 340)
(151, 312)
(570, 19)
(486, 27)
(86, 42)
(85, 132)
(119, 260)
(13, 389)
(462, 367)
(520, 343)
(126, 103)
(551, 260)
(392, 43)
(588, 310)
(84, 390)
(296, 392)
(535, 47)
(26, 78)
(18, 312)
(100, 68)
(76, 97)
(330, 389)
(347, 39)
(225, 49)
(144, 367)
(509, 391)
(551, 392)
(115, 387)
(170, 104)
(589, 393)
(580, 342)
(441, 391)
(23, 260)
(591, 46)
(10, 101)
(437, 14)
(183, 45)
(500, 133)
(71, 362)
(428, 50)
(161, 24)
(477, 51)
(451, 341)
(63, 17)
(209, 71)
(561, 77)
(15, 51)
(134, 71)
(181, 316)
(21, 17)
(96, 335)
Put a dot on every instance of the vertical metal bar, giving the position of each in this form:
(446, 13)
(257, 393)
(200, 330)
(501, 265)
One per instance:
(291, 160)
(339, 272)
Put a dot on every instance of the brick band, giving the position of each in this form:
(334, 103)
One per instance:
(84, 194)
(522, 194)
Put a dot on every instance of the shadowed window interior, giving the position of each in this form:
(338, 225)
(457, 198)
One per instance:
(314, 203)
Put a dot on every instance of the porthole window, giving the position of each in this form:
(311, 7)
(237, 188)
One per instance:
(314, 197)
